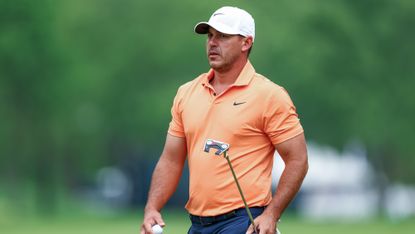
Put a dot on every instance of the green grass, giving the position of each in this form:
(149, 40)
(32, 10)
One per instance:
(177, 223)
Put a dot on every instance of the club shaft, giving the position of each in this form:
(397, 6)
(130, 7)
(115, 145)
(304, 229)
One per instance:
(240, 192)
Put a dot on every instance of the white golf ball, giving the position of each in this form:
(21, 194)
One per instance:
(157, 229)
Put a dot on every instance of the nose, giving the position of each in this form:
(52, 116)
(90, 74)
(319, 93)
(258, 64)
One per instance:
(212, 41)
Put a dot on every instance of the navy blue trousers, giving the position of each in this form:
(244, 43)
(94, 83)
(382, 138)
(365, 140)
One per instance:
(236, 222)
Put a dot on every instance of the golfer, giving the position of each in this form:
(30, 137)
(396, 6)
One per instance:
(231, 103)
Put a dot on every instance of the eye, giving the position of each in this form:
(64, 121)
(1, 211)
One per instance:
(223, 35)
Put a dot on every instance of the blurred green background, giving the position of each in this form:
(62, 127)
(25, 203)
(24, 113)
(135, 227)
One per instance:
(87, 86)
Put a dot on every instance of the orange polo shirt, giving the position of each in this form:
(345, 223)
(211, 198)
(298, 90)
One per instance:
(252, 115)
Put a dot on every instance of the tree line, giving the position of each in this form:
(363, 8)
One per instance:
(87, 84)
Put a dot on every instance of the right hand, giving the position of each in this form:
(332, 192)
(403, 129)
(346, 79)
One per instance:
(151, 218)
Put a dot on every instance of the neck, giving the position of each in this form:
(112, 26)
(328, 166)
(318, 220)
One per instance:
(226, 77)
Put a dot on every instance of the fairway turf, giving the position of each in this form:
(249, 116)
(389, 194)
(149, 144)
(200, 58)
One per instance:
(177, 223)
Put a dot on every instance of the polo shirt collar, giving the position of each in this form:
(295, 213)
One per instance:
(246, 75)
(243, 79)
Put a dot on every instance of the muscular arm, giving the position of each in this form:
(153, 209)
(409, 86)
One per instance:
(164, 181)
(294, 154)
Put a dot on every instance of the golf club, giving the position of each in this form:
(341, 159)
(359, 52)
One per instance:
(222, 148)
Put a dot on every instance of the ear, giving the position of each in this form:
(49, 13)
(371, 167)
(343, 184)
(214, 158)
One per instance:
(247, 43)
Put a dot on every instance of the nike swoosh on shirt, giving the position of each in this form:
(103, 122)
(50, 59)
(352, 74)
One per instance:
(238, 103)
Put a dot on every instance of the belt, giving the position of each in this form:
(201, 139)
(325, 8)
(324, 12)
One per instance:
(208, 220)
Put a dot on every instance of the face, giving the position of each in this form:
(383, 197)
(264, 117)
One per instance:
(223, 49)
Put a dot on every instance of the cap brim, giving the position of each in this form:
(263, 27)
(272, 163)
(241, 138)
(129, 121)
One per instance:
(202, 28)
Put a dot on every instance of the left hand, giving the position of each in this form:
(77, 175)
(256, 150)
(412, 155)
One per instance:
(265, 224)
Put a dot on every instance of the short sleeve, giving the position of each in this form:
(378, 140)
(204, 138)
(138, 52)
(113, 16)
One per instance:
(176, 124)
(281, 120)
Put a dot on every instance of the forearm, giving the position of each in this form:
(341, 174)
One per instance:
(288, 186)
(164, 181)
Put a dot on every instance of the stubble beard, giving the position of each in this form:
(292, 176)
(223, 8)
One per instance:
(223, 64)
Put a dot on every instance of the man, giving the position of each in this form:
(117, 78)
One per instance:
(233, 104)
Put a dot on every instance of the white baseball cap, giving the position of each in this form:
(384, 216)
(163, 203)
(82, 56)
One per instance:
(229, 20)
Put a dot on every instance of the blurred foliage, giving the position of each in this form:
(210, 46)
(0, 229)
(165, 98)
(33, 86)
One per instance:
(86, 84)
